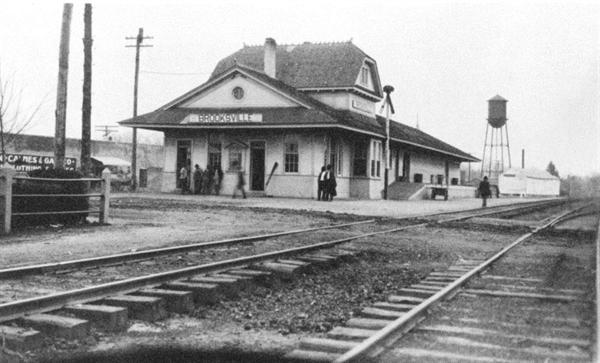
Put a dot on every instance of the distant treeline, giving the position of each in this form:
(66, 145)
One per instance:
(580, 187)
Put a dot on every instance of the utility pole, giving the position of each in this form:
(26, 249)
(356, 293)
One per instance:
(388, 107)
(86, 108)
(61, 92)
(138, 44)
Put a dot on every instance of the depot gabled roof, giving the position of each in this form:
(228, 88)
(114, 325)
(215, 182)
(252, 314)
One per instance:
(274, 84)
(309, 65)
(310, 113)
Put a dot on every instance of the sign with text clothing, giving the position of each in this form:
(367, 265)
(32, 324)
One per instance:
(25, 162)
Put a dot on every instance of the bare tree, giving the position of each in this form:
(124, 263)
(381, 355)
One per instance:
(12, 120)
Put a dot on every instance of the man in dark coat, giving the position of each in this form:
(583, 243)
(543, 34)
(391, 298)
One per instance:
(197, 179)
(331, 184)
(484, 191)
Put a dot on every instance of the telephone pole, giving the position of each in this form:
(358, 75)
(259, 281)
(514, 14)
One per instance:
(138, 44)
(86, 108)
(61, 92)
(387, 103)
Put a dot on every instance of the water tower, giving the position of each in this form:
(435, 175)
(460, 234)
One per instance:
(495, 147)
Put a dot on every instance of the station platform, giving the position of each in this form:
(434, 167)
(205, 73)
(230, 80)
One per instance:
(374, 208)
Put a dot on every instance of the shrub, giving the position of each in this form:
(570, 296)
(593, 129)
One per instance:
(46, 204)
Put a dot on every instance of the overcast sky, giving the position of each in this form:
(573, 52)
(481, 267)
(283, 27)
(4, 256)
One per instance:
(444, 58)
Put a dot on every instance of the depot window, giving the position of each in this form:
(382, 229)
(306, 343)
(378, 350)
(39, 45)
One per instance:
(364, 76)
(338, 158)
(291, 157)
(359, 161)
(335, 156)
(376, 158)
(214, 154)
(235, 158)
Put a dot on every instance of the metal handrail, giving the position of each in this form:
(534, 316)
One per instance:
(7, 195)
(57, 212)
(91, 195)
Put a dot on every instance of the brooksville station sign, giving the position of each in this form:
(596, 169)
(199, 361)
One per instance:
(222, 118)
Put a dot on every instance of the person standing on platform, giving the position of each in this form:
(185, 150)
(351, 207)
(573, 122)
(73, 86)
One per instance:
(484, 191)
(321, 184)
(204, 182)
(210, 185)
(197, 179)
(217, 179)
(183, 178)
(331, 184)
(240, 181)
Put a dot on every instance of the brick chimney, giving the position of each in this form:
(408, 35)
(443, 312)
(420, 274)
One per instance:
(270, 60)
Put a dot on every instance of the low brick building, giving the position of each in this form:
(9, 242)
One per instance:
(29, 150)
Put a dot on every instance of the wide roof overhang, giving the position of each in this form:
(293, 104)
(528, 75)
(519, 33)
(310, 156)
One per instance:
(276, 119)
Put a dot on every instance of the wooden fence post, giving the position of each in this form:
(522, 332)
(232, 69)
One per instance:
(105, 198)
(6, 182)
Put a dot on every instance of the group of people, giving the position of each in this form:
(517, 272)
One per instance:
(326, 184)
(205, 181)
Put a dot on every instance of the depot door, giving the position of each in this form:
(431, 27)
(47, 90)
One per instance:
(257, 165)
(406, 167)
(184, 152)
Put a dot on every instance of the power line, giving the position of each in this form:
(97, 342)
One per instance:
(174, 73)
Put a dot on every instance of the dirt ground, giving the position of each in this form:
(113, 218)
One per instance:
(260, 324)
(137, 224)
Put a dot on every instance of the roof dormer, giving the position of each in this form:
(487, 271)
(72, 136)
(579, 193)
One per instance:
(368, 78)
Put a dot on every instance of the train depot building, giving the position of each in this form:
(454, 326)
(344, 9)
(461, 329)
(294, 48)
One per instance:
(284, 111)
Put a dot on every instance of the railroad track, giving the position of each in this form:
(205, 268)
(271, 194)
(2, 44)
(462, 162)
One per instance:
(147, 297)
(456, 333)
(127, 257)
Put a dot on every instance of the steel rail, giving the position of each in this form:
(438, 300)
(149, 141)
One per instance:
(495, 209)
(518, 207)
(12, 310)
(18, 271)
(361, 351)
(15, 309)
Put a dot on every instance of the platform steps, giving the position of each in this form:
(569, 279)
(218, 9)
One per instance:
(405, 191)
(377, 316)
(154, 303)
